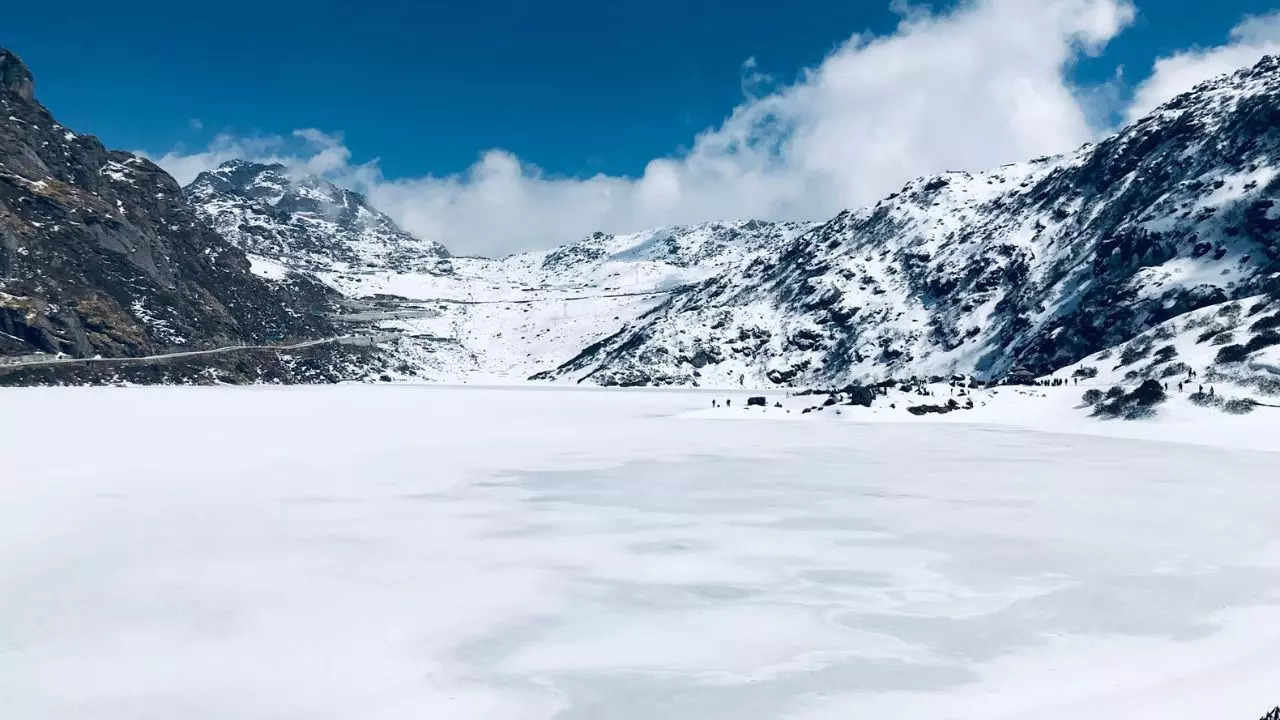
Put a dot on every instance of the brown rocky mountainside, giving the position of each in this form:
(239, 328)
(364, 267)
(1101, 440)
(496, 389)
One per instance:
(100, 254)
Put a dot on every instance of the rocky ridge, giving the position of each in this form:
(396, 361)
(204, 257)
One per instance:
(1026, 268)
(101, 254)
(306, 221)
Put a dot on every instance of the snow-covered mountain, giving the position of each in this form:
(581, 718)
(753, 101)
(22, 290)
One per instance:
(1032, 267)
(464, 318)
(100, 255)
(305, 221)
(511, 318)
(1029, 266)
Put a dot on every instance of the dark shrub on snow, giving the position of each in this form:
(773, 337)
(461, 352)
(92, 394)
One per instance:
(1204, 399)
(1270, 322)
(1223, 338)
(1085, 372)
(1133, 352)
(1263, 340)
(1136, 405)
(1148, 393)
(1239, 406)
(1231, 354)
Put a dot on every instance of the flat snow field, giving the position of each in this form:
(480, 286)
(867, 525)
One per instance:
(393, 552)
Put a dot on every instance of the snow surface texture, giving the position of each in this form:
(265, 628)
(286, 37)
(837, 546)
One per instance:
(396, 552)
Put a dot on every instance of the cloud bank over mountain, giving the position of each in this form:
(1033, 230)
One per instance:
(984, 84)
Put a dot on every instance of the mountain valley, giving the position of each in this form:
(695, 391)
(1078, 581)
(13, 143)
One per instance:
(1022, 271)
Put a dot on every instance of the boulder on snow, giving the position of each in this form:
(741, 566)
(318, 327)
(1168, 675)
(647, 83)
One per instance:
(921, 410)
(859, 395)
(951, 406)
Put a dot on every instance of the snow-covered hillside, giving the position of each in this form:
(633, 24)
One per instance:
(1028, 267)
(507, 319)
(1034, 265)
(465, 318)
(1231, 350)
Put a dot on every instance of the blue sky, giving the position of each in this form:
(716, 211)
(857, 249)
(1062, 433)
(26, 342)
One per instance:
(573, 89)
(573, 86)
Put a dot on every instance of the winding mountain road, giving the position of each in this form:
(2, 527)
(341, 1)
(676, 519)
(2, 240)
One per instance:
(342, 340)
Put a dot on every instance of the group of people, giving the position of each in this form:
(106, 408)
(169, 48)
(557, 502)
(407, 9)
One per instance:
(1191, 374)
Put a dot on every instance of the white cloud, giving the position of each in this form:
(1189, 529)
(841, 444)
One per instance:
(983, 84)
(306, 151)
(184, 166)
(328, 156)
(1250, 41)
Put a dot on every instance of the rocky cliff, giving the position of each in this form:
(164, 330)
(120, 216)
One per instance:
(101, 254)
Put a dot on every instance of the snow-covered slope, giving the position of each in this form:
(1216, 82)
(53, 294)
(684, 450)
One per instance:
(465, 318)
(1229, 344)
(1030, 267)
(1034, 265)
(508, 319)
(304, 221)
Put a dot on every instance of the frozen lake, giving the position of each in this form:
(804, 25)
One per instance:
(400, 552)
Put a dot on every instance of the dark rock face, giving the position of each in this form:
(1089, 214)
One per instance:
(100, 254)
(15, 78)
(1034, 266)
(306, 221)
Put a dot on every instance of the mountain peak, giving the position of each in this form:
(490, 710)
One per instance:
(1268, 64)
(238, 165)
(1262, 76)
(234, 175)
(15, 77)
(272, 182)
(267, 210)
